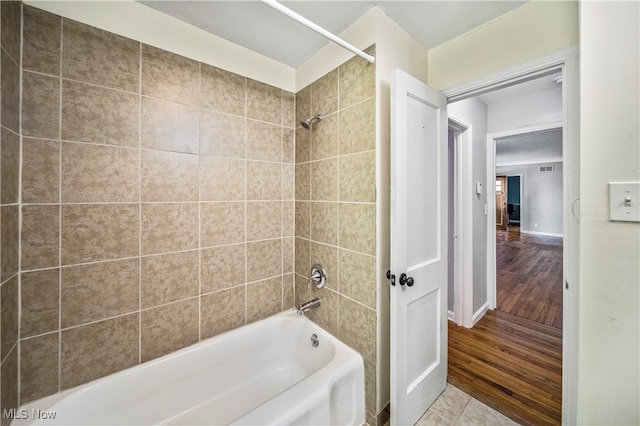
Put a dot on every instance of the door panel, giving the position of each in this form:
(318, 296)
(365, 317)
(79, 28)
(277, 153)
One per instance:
(422, 359)
(418, 247)
(423, 237)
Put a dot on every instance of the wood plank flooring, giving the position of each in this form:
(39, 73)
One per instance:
(529, 276)
(511, 364)
(511, 359)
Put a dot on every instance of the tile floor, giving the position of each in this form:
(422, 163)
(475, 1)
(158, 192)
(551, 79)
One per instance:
(455, 407)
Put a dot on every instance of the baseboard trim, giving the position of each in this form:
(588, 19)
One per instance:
(451, 316)
(383, 416)
(544, 234)
(480, 313)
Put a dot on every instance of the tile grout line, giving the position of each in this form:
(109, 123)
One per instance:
(60, 210)
(246, 245)
(199, 210)
(282, 189)
(20, 163)
(309, 185)
(139, 96)
(338, 207)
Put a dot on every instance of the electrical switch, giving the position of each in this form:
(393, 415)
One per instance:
(624, 198)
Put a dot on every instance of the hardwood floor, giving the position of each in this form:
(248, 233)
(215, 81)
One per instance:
(511, 364)
(511, 359)
(529, 276)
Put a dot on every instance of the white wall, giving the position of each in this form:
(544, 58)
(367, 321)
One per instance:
(360, 34)
(541, 197)
(373, 27)
(609, 294)
(535, 29)
(534, 110)
(475, 112)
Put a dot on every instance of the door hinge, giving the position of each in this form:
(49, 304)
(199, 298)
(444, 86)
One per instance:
(566, 284)
(391, 277)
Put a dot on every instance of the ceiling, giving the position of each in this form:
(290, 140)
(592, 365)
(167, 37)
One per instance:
(527, 88)
(530, 148)
(258, 27)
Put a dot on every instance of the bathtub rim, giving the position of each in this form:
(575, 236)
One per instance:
(343, 358)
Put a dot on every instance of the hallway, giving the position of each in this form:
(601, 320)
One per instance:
(511, 364)
(511, 359)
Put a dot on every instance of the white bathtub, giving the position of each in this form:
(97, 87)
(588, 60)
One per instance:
(267, 372)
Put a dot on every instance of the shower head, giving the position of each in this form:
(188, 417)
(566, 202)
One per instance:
(307, 123)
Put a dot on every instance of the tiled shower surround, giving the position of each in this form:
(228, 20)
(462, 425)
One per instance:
(164, 201)
(157, 203)
(9, 199)
(336, 207)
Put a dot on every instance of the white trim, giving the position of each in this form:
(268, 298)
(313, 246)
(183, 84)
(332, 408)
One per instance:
(463, 287)
(544, 234)
(528, 70)
(536, 161)
(480, 313)
(571, 230)
(567, 61)
(450, 316)
(491, 227)
(524, 131)
(453, 245)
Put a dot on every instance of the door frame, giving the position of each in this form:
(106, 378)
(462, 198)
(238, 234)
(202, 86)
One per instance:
(567, 61)
(492, 273)
(463, 253)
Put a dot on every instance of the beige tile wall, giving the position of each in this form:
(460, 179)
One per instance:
(157, 203)
(335, 196)
(158, 195)
(10, 27)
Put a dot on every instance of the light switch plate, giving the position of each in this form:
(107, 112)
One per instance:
(624, 198)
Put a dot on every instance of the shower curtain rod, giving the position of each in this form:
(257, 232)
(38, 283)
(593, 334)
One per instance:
(304, 21)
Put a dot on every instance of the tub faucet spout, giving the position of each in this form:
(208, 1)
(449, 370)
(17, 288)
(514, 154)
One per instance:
(306, 307)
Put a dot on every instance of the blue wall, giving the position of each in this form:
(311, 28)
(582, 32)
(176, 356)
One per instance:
(513, 190)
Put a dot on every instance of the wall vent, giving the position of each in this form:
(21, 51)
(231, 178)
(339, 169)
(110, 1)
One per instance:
(545, 169)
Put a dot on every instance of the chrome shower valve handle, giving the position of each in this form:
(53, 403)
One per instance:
(318, 276)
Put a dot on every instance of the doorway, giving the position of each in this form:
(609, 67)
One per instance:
(566, 61)
(509, 202)
(565, 376)
(529, 250)
(501, 202)
(460, 227)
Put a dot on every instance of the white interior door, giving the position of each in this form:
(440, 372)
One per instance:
(418, 247)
